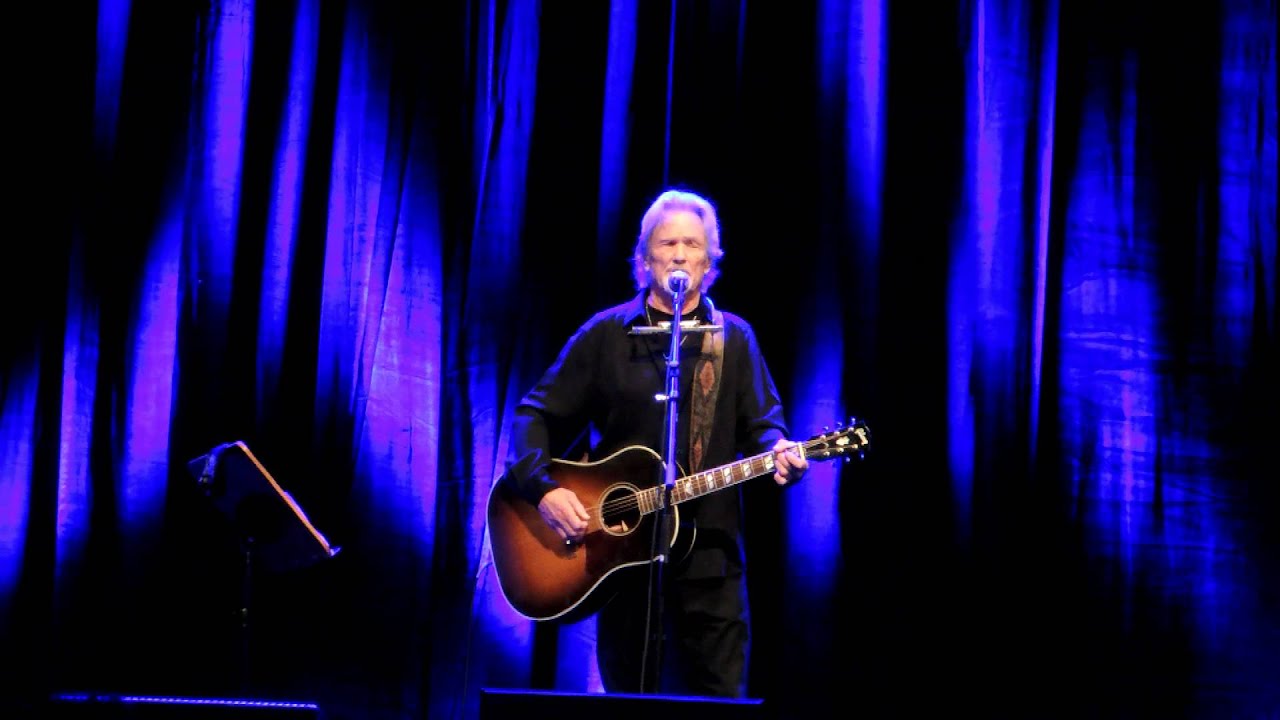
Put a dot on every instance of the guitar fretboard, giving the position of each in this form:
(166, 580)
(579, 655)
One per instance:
(819, 447)
(709, 481)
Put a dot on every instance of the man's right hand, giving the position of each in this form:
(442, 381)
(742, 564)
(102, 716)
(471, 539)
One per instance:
(565, 514)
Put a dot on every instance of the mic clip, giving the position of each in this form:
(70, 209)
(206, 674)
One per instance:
(664, 328)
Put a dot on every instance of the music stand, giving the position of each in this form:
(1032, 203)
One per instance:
(275, 534)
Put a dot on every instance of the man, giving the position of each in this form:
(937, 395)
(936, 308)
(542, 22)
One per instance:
(606, 378)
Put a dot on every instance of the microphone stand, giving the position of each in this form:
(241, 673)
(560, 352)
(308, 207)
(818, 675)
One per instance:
(665, 524)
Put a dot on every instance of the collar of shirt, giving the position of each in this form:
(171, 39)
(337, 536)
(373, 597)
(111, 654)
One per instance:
(634, 313)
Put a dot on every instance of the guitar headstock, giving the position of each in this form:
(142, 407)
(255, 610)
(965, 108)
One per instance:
(844, 441)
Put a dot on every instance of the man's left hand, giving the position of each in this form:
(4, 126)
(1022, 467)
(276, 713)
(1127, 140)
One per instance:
(788, 463)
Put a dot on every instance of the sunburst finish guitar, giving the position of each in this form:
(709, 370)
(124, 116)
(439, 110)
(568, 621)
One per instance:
(542, 578)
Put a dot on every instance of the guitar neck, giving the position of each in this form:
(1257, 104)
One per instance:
(709, 481)
(840, 443)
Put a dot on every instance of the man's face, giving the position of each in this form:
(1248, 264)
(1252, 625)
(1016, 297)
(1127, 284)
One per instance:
(678, 243)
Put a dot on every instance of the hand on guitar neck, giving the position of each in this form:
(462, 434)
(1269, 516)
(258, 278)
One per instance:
(789, 464)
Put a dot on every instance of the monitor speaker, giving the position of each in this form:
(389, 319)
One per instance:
(499, 704)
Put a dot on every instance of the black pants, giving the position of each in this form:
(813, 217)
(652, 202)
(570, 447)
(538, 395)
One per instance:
(705, 644)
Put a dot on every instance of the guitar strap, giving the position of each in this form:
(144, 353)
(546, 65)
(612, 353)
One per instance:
(706, 389)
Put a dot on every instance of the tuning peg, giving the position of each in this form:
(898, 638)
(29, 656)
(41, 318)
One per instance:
(837, 424)
(826, 428)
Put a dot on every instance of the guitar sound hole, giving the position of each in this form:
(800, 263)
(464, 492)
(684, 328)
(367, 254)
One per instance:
(620, 510)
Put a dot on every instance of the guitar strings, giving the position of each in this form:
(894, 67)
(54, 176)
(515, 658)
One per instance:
(632, 500)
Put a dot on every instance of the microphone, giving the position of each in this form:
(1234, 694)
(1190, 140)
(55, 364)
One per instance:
(677, 282)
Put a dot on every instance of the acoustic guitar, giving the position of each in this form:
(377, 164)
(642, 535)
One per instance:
(543, 578)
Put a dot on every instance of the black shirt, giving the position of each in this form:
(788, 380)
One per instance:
(605, 380)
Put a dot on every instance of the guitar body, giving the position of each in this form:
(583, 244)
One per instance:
(545, 579)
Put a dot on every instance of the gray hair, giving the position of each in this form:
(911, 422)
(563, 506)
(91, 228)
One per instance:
(667, 202)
